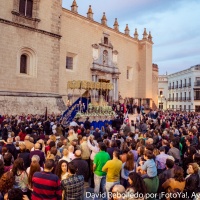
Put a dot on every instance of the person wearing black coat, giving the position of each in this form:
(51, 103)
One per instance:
(11, 147)
(82, 165)
(97, 134)
(5, 132)
(192, 180)
(87, 124)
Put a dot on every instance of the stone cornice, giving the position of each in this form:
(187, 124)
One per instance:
(29, 94)
(106, 27)
(4, 21)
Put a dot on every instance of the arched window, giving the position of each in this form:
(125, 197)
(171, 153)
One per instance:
(105, 57)
(27, 62)
(26, 7)
(23, 64)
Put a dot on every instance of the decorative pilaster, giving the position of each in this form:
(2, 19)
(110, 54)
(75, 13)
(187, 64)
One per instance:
(115, 88)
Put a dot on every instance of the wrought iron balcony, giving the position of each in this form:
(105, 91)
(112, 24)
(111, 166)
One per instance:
(197, 98)
(197, 83)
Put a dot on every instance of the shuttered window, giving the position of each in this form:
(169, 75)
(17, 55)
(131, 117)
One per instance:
(23, 64)
(26, 7)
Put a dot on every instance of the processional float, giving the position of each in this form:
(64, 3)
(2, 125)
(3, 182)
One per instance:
(92, 87)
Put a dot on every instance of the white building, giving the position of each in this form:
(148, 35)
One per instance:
(183, 90)
(162, 91)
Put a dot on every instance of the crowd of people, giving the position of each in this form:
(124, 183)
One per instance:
(155, 156)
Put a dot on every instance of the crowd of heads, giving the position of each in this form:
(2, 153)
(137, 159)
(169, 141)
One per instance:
(166, 140)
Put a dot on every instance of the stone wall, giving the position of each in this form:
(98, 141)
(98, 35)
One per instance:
(50, 37)
(78, 36)
(31, 104)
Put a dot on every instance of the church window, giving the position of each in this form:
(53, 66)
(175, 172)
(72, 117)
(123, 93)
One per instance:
(105, 40)
(23, 64)
(26, 63)
(26, 7)
(69, 62)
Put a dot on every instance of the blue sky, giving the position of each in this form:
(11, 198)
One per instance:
(174, 25)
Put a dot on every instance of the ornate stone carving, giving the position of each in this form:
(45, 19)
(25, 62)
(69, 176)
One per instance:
(96, 46)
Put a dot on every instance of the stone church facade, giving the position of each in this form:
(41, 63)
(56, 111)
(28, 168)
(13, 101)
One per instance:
(43, 46)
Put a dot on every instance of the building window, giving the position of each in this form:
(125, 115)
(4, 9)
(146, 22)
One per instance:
(189, 108)
(69, 62)
(161, 92)
(189, 81)
(184, 107)
(105, 40)
(23, 64)
(127, 74)
(27, 62)
(26, 7)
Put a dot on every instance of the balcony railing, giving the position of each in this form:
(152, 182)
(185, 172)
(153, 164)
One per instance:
(197, 83)
(176, 86)
(172, 87)
(184, 98)
(171, 99)
(181, 99)
(189, 84)
(197, 98)
(184, 85)
(169, 87)
(180, 85)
